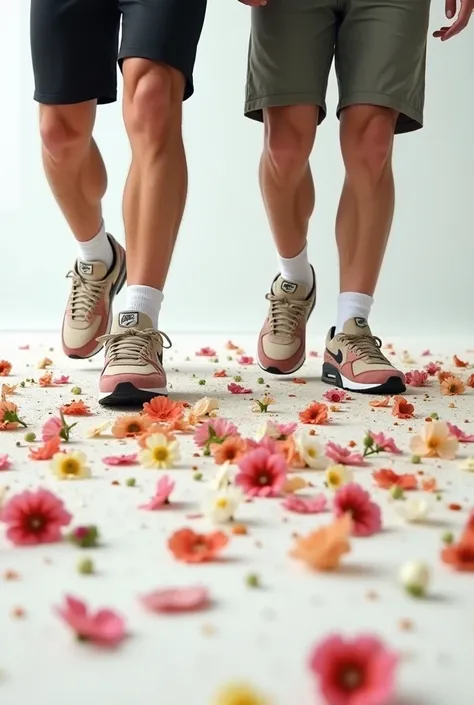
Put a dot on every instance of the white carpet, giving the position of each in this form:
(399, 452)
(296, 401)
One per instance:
(262, 635)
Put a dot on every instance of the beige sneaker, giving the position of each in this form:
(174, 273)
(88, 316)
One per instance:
(89, 309)
(354, 361)
(133, 372)
(282, 340)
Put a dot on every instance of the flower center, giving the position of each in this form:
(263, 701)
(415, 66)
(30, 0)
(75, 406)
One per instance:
(263, 479)
(432, 443)
(71, 467)
(222, 503)
(36, 523)
(350, 678)
(133, 427)
(160, 454)
(334, 479)
(311, 453)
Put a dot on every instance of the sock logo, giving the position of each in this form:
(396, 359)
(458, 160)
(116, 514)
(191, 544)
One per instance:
(85, 268)
(288, 287)
(361, 322)
(128, 319)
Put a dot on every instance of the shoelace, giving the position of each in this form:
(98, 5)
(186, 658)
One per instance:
(84, 297)
(285, 314)
(368, 346)
(133, 344)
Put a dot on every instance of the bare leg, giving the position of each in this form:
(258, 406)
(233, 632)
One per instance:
(155, 193)
(366, 208)
(73, 165)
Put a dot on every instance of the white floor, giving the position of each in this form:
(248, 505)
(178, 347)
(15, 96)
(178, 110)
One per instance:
(258, 635)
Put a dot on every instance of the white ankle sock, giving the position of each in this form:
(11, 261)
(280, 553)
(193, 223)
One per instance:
(297, 269)
(146, 300)
(352, 305)
(97, 249)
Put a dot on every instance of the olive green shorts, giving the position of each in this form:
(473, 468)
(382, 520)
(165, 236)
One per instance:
(379, 48)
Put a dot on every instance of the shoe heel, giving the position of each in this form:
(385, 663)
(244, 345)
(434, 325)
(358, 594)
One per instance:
(330, 375)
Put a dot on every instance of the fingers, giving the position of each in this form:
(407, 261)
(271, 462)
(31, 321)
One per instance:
(450, 9)
(465, 14)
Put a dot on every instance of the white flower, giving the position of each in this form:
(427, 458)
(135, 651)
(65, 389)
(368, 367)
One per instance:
(467, 464)
(337, 476)
(98, 430)
(222, 478)
(415, 578)
(160, 452)
(207, 406)
(269, 429)
(414, 509)
(221, 506)
(310, 450)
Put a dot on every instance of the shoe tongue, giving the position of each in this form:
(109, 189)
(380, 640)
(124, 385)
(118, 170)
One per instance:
(130, 319)
(356, 326)
(290, 290)
(91, 271)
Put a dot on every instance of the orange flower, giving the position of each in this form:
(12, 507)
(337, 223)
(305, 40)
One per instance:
(459, 363)
(452, 385)
(460, 556)
(315, 414)
(323, 549)
(131, 425)
(231, 450)
(386, 479)
(287, 449)
(187, 546)
(8, 389)
(44, 363)
(5, 368)
(231, 346)
(220, 373)
(163, 409)
(183, 424)
(377, 403)
(46, 380)
(434, 441)
(9, 419)
(442, 375)
(299, 380)
(429, 484)
(75, 408)
(402, 409)
(46, 451)
(470, 381)
(162, 428)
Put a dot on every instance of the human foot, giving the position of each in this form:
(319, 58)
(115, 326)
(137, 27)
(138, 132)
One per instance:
(89, 309)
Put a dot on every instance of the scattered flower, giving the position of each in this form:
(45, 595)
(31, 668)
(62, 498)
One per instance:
(416, 378)
(415, 509)
(277, 431)
(467, 464)
(56, 427)
(375, 443)
(305, 505)
(213, 431)
(460, 434)
(220, 373)
(9, 419)
(5, 462)
(470, 381)
(70, 466)
(163, 409)
(34, 517)
(429, 484)
(294, 484)
(314, 414)
(47, 451)
(220, 506)
(310, 451)
(359, 671)
(129, 459)
(323, 549)
(175, 600)
(103, 628)
(261, 405)
(366, 516)
(459, 363)
(162, 495)
(335, 395)
(8, 389)
(402, 409)
(160, 452)
(452, 386)
(386, 479)
(239, 694)
(234, 388)
(435, 440)
(62, 379)
(230, 451)
(207, 406)
(342, 455)
(415, 578)
(189, 547)
(206, 352)
(432, 369)
(131, 425)
(262, 474)
(231, 346)
(76, 408)
(98, 430)
(460, 556)
(46, 380)
(222, 478)
(380, 403)
(337, 476)
(5, 368)
(245, 360)
(84, 536)
(44, 363)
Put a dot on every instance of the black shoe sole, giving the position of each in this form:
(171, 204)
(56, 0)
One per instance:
(393, 385)
(126, 394)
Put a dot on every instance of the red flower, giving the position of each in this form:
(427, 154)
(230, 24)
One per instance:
(402, 408)
(314, 414)
(262, 474)
(234, 388)
(75, 408)
(366, 516)
(34, 517)
(190, 547)
(245, 360)
(206, 352)
(387, 478)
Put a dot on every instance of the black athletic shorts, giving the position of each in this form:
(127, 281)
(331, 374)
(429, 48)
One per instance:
(75, 43)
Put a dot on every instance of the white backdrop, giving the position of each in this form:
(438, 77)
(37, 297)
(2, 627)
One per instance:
(225, 260)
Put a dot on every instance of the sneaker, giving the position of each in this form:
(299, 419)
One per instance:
(89, 309)
(354, 361)
(282, 341)
(133, 372)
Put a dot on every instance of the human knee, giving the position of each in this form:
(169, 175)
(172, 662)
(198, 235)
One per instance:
(152, 106)
(367, 139)
(64, 138)
(289, 140)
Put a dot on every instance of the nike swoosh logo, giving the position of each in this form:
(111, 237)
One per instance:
(337, 357)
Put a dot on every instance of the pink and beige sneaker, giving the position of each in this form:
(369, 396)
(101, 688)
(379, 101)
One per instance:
(133, 372)
(282, 341)
(354, 361)
(89, 309)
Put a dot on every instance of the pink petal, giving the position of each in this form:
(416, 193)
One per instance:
(174, 600)
(120, 459)
(5, 462)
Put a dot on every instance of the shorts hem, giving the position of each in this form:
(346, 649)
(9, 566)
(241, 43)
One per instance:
(140, 53)
(102, 98)
(409, 120)
(254, 107)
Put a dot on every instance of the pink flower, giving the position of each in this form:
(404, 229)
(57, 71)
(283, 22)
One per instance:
(285, 429)
(5, 462)
(234, 388)
(342, 455)
(262, 474)
(360, 671)
(34, 517)
(366, 516)
(267, 443)
(335, 395)
(245, 360)
(103, 628)
(61, 380)
(164, 488)
(384, 443)
(426, 353)
(416, 378)
(172, 600)
(206, 352)
(460, 434)
(432, 368)
(305, 505)
(51, 429)
(130, 459)
(214, 429)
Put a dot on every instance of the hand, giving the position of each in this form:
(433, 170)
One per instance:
(466, 8)
(254, 3)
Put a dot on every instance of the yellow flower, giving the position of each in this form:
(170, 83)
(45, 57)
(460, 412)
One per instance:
(70, 466)
(159, 452)
(206, 406)
(239, 694)
(98, 430)
(338, 475)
